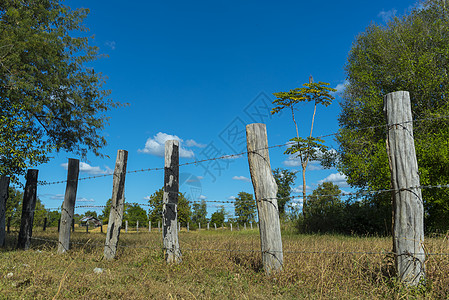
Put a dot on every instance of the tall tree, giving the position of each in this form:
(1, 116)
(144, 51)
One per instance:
(245, 208)
(219, 216)
(133, 213)
(409, 53)
(199, 213)
(324, 211)
(50, 99)
(284, 180)
(310, 148)
(156, 202)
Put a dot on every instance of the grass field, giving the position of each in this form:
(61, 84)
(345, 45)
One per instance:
(216, 265)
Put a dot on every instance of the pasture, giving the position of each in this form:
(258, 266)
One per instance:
(215, 265)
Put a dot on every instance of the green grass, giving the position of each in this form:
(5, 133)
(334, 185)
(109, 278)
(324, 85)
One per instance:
(139, 271)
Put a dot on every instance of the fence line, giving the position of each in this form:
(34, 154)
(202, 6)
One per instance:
(247, 250)
(236, 155)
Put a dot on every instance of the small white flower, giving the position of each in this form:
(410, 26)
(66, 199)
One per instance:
(98, 270)
(9, 275)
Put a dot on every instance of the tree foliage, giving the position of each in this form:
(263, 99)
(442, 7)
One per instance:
(50, 99)
(219, 216)
(156, 202)
(310, 148)
(14, 210)
(284, 179)
(409, 53)
(199, 212)
(133, 213)
(245, 208)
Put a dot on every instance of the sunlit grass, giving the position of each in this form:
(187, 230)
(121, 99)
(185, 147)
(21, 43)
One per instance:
(216, 265)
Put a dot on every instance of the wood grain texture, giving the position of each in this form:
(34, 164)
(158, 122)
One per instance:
(265, 190)
(408, 211)
(68, 206)
(28, 206)
(169, 211)
(117, 206)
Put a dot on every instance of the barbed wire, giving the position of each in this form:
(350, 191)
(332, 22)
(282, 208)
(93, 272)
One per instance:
(251, 250)
(236, 155)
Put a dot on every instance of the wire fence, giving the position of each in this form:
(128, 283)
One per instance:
(236, 155)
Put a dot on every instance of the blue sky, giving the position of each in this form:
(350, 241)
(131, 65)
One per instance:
(199, 71)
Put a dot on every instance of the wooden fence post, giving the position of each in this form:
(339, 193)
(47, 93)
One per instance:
(73, 225)
(149, 226)
(126, 226)
(265, 190)
(408, 211)
(159, 226)
(169, 211)
(68, 206)
(231, 226)
(137, 226)
(45, 224)
(117, 206)
(28, 206)
(4, 185)
(188, 228)
(215, 225)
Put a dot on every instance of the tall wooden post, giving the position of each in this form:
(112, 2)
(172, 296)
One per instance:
(171, 190)
(68, 206)
(149, 226)
(28, 206)
(4, 185)
(117, 205)
(265, 190)
(45, 224)
(408, 211)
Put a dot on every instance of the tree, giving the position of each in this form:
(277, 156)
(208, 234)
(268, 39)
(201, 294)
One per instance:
(219, 216)
(309, 148)
(50, 99)
(134, 213)
(245, 208)
(199, 212)
(14, 209)
(91, 213)
(284, 180)
(324, 212)
(409, 53)
(106, 212)
(156, 204)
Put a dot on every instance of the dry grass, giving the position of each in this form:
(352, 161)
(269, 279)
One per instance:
(139, 271)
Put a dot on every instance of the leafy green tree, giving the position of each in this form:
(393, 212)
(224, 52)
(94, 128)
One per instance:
(14, 209)
(284, 180)
(245, 208)
(310, 148)
(133, 213)
(50, 99)
(409, 53)
(324, 212)
(156, 204)
(219, 216)
(106, 212)
(199, 213)
(90, 213)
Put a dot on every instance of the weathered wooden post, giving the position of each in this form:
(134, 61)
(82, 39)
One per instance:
(265, 190)
(28, 206)
(87, 227)
(188, 228)
(126, 226)
(159, 226)
(207, 226)
(68, 206)
(171, 189)
(45, 224)
(137, 226)
(73, 225)
(215, 225)
(199, 226)
(117, 206)
(408, 211)
(4, 185)
(149, 226)
(231, 226)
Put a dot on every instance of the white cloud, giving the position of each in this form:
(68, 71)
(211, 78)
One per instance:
(202, 197)
(192, 143)
(241, 178)
(336, 178)
(85, 200)
(298, 189)
(86, 168)
(341, 87)
(293, 161)
(387, 15)
(156, 145)
(147, 198)
(231, 198)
